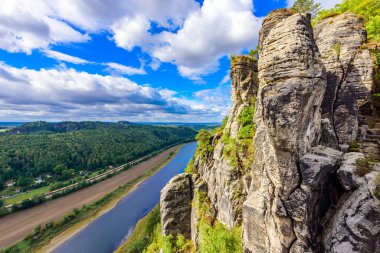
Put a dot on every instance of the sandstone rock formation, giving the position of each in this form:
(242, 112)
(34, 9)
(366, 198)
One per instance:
(175, 206)
(293, 187)
(349, 76)
(226, 180)
(355, 226)
(292, 84)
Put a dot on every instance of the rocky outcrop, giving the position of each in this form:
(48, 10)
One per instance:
(175, 206)
(293, 187)
(271, 21)
(309, 204)
(349, 77)
(226, 179)
(292, 84)
(355, 226)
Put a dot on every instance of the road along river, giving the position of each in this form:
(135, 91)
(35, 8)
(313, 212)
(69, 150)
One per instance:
(106, 233)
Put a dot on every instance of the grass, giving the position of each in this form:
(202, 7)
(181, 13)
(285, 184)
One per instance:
(44, 235)
(143, 234)
(26, 195)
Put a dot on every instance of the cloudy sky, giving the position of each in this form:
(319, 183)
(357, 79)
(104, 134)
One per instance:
(137, 60)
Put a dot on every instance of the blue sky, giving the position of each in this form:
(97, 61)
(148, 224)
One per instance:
(137, 60)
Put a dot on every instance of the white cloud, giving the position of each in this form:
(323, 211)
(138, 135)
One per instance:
(191, 36)
(126, 70)
(219, 28)
(28, 25)
(226, 78)
(65, 57)
(57, 94)
(131, 32)
(325, 4)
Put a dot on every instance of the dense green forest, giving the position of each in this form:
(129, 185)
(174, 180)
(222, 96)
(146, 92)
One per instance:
(63, 149)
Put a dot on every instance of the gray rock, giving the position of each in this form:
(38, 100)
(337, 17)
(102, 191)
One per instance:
(292, 84)
(346, 173)
(226, 185)
(355, 226)
(175, 206)
(349, 75)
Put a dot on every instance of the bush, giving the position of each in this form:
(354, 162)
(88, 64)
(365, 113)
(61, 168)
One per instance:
(248, 128)
(190, 167)
(368, 10)
(219, 238)
(364, 166)
(354, 147)
(204, 143)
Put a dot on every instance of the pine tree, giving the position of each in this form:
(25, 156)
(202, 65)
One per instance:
(306, 6)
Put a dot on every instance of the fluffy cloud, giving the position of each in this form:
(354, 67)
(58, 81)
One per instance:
(191, 36)
(219, 28)
(69, 94)
(28, 25)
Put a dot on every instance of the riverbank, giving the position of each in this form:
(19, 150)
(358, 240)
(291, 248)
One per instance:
(13, 227)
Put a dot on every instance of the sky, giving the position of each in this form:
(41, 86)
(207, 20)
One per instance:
(135, 60)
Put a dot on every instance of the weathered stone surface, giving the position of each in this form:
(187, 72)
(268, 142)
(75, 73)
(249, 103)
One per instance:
(292, 84)
(346, 172)
(271, 21)
(200, 187)
(349, 75)
(309, 204)
(355, 226)
(175, 206)
(226, 185)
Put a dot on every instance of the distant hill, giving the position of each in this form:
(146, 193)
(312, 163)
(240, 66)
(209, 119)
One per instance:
(60, 127)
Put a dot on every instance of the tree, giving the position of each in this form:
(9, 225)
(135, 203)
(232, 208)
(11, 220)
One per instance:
(1, 202)
(1, 184)
(24, 182)
(304, 6)
(59, 169)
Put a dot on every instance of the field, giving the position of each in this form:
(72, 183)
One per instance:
(26, 195)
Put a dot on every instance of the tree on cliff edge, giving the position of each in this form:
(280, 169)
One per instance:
(304, 6)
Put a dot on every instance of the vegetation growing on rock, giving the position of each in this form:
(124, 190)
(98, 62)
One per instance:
(306, 6)
(369, 10)
(364, 166)
(204, 143)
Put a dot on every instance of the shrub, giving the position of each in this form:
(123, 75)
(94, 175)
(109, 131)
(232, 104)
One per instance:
(190, 167)
(354, 147)
(364, 166)
(218, 238)
(367, 10)
(204, 143)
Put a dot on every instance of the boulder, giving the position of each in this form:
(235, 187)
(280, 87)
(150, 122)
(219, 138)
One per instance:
(175, 206)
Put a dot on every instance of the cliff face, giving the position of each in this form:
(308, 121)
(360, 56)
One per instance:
(349, 77)
(292, 84)
(284, 172)
(225, 169)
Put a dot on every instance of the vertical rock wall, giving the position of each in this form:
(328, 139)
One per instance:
(292, 85)
(226, 182)
(349, 77)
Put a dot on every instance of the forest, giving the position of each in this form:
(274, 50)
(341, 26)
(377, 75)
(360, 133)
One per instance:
(63, 150)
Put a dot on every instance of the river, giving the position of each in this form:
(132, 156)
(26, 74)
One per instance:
(109, 231)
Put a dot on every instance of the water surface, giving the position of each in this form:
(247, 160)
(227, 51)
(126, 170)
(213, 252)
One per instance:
(106, 233)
